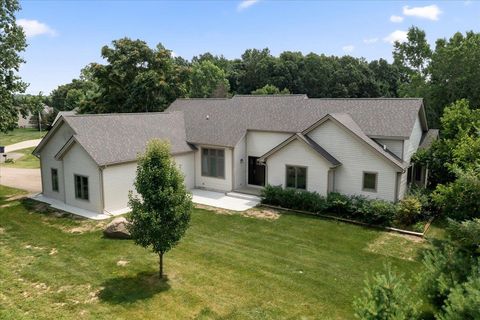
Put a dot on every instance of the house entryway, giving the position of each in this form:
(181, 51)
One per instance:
(256, 172)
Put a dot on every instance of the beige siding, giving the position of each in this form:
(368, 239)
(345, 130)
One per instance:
(219, 184)
(118, 181)
(395, 146)
(356, 157)
(260, 142)
(47, 162)
(297, 153)
(77, 162)
(239, 164)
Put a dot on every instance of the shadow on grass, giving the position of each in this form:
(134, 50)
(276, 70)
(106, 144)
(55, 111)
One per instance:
(130, 289)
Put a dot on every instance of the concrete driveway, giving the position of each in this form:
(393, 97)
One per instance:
(22, 145)
(26, 179)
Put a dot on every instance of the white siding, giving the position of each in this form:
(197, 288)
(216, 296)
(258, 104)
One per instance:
(356, 157)
(118, 181)
(395, 146)
(77, 161)
(239, 164)
(411, 146)
(219, 184)
(297, 153)
(260, 142)
(47, 162)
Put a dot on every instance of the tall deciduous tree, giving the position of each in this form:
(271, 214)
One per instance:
(205, 79)
(137, 78)
(12, 41)
(161, 212)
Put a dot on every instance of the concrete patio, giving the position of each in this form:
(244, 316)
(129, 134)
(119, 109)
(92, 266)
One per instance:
(231, 201)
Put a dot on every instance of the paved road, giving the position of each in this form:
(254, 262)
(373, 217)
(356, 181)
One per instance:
(26, 179)
(22, 145)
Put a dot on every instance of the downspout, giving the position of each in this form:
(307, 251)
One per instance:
(102, 189)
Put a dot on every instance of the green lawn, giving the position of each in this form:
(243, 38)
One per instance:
(226, 267)
(27, 161)
(20, 134)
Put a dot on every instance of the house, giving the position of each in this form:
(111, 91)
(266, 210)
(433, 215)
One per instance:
(351, 146)
(27, 121)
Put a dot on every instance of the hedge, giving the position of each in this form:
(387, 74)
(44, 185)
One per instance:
(359, 208)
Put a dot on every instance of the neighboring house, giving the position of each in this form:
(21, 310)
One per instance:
(64, 114)
(27, 121)
(351, 146)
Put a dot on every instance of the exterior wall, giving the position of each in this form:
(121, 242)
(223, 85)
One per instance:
(395, 146)
(411, 146)
(356, 157)
(47, 162)
(298, 154)
(118, 181)
(218, 184)
(260, 142)
(77, 161)
(240, 164)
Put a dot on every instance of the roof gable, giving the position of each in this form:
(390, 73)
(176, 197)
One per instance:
(307, 141)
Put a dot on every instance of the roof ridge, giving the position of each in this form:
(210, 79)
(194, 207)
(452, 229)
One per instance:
(122, 114)
(378, 98)
(272, 95)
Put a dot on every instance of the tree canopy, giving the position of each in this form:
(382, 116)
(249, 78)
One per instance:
(12, 42)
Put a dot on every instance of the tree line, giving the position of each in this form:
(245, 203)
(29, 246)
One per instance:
(137, 78)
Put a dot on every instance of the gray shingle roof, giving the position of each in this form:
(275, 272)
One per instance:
(428, 138)
(225, 121)
(117, 138)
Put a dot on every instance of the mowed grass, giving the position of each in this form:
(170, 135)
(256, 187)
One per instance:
(26, 161)
(20, 134)
(226, 267)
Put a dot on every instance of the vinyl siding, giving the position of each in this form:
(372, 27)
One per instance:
(297, 153)
(356, 157)
(47, 162)
(77, 162)
(411, 146)
(218, 184)
(240, 164)
(260, 142)
(118, 181)
(395, 146)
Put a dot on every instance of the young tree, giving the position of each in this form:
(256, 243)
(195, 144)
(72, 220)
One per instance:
(12, 41)
(386, 297)
(161, 210)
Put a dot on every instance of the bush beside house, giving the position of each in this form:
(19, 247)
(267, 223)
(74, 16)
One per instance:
(359, 208)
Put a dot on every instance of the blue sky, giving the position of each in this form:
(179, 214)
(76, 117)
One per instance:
(64, 36)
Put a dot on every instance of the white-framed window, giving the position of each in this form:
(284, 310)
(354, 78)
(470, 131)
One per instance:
(81, 187)
(296, 177)
(213, 163)
(369, 182)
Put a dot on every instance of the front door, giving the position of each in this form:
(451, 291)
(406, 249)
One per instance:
(256, 172)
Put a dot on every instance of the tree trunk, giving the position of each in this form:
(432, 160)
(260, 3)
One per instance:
(160, 264)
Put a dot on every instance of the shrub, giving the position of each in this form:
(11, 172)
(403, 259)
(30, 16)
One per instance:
(409, 210)
(9, 160)
(460, 199)
(464, 301)
(386, 296)
(379, 212)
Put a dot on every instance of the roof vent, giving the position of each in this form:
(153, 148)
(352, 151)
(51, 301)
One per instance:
(207, 117)
(384, 147)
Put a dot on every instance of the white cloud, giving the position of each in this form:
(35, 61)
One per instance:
(396, 19)
(397, 35)
(244, 4)
(370, 40)
(34, 28)
(348, 48)
(428, 12)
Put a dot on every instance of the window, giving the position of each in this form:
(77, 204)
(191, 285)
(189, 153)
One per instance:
(54, 179)
(296, 177)
(370, 181)
(213, 163)
(81, 187)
